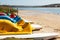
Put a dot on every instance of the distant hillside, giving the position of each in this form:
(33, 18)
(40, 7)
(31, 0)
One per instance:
(49, 5)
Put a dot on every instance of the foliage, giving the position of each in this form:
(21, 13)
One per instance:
(7, 9)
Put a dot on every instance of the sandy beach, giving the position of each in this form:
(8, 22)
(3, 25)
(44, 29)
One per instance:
(50, 22)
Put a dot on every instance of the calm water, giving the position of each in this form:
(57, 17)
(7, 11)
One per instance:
(51, 10)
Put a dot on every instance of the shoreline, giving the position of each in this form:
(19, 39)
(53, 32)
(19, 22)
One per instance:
(37, 11)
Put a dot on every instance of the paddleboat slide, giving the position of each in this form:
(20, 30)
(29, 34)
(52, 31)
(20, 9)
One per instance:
(14, 26)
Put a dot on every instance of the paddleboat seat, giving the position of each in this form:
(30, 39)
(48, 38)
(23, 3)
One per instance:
(14, 20)
(8, 18)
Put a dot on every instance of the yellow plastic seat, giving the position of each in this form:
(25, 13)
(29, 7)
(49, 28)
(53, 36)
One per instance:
(7, 27)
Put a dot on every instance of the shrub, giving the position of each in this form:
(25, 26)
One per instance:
(8, 10)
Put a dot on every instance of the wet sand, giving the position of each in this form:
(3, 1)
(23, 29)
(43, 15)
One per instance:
(50, 22)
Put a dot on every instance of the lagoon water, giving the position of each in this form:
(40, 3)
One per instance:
(50, 10)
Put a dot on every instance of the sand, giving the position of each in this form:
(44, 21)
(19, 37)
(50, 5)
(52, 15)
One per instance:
(50, 22)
